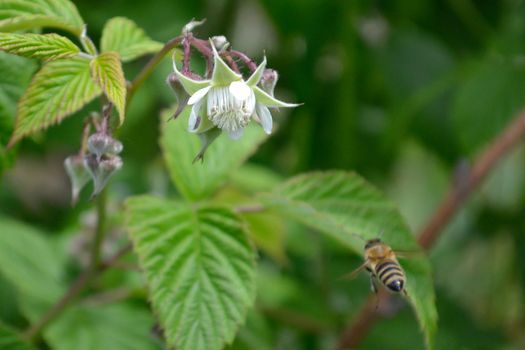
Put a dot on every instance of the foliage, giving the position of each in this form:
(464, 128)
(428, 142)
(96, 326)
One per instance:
(245, 248)
(125, 37)
(46, 47)
(106, 70)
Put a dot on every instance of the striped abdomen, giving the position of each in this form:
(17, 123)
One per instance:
(391, 275)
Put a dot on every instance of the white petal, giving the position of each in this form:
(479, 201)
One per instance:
(193, 121)
(265, 118)
(240, 90)
(196, 97)
(236, 134)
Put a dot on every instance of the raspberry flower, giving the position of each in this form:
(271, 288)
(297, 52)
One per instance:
(227, 101)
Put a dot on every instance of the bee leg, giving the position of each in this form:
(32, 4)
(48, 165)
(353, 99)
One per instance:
(373, 287)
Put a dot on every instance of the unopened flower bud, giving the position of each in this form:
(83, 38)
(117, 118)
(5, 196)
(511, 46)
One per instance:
(269, 80)
(101, 144)
(181, 94)
(220, 42)
(101, 170)
(78, 175)
(192, 25)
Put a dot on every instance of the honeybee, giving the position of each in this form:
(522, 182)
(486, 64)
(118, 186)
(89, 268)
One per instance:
(381, 262)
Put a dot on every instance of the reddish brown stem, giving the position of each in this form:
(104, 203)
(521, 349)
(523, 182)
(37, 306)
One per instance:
(232, 63)
(247, 60)
(459, 192)
(187, 53)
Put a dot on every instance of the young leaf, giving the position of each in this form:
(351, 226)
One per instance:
(129, 40)
(26, 14)
(59, 89)
(10, 340)
(196, 181)
(106, 70)
(343, 205)
(47, 47)
(200, 269)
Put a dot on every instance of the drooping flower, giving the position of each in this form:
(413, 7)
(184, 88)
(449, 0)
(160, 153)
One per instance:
(77, 174)
(227, 101)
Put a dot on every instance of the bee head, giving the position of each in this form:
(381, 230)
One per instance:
(372, 242)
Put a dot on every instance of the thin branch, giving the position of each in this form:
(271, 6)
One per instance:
(249, 208)
(247, 60)
(100, 229)
(108, 297)
(459, 192)
(82, 281)
(148, 68)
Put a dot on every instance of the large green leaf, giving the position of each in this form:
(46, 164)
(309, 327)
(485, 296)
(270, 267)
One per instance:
(25, 14)
(15, 74)
(46, 47)
(106, 70)
(487, 101)
(59, 89)
(129, 40)
(30, 262)
(199, 180)
(200, 269)
(114, 326)
(9, 340)
(343, 205)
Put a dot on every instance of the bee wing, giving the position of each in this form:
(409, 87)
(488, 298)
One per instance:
(406, 254)
(354, 273)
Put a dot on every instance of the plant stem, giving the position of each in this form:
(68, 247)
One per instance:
(148, 68)
(100, 229)
(82, 281)
(458, 193)
(249, 208)
(247, 60)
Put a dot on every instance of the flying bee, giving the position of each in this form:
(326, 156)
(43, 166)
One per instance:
(381, 262)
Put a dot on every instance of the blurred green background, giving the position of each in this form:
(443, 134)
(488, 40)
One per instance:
(400, 92)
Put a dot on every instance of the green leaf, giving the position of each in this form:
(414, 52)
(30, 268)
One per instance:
(113, 326)
(267, 231)
(487, 102)
(197, 181)
(129, 40)
(46, 47)
(106, 70)
(343, 205)
(26, 14)
(10, 340)
(59, 89)
(29, 262)
(15, 74)
(200, 269)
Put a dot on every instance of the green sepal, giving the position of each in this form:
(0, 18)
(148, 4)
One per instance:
(257, 75)
(270, 101)
(207, 139)
(190, 85)
(204, 125)
(222, 74)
